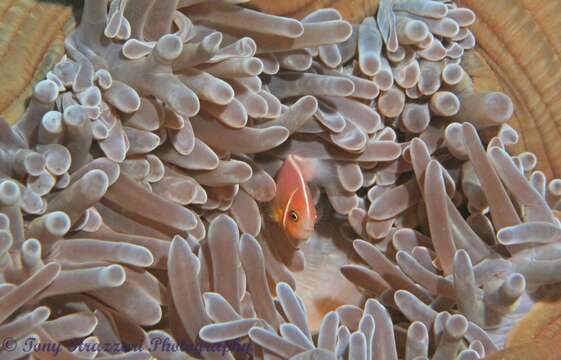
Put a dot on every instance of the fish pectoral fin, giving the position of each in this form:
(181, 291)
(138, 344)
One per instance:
(277, 215)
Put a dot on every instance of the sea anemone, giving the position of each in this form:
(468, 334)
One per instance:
(134, 190)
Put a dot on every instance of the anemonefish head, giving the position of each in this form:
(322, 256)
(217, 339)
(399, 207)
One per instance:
(293, 207)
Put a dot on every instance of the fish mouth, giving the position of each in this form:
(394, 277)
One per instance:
(303, 236)
(306, 233)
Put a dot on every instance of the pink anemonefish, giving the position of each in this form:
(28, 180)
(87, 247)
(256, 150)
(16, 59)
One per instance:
(293, 207)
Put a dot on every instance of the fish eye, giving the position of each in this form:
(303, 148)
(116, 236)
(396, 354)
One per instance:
(293, 215)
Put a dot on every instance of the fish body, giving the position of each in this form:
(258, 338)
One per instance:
(293, 208)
